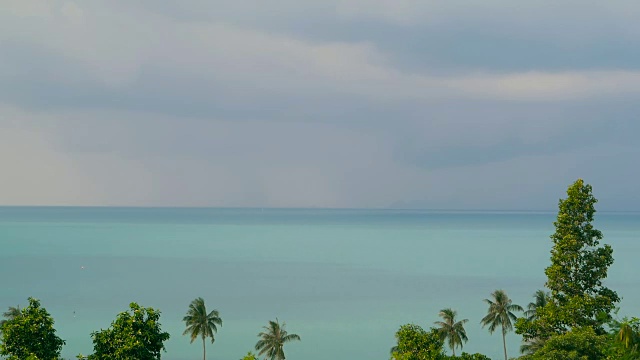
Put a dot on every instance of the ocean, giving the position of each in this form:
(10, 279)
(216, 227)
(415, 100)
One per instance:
(344, 280)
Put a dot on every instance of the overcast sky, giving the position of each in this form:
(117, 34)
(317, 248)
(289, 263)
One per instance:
(319, 103)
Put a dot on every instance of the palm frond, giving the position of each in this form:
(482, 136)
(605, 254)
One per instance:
(272, 340)
(199, 323)
(541, 298)
(531, 346)
(12, 312)
(500, 313)
(291, 337)
(451, 330)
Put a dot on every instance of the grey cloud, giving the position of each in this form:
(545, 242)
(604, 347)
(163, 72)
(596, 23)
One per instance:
(450, 136)
(317, 103)
(144, 61)
(449, 36)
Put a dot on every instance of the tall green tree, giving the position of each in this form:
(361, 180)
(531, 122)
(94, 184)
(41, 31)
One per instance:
(500, 314)
(30, 333)
(200, 323)
(450, 330)
(575, 277)
(135, 334)
(414, 343)
(272, 340)
(579, 264)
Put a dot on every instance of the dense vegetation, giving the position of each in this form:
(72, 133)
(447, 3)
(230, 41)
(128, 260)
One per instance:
(575, 318)
(29, 334)
(135, 334)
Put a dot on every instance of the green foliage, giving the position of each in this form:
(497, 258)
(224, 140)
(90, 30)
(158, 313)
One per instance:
(250, 356)
(546, 324)
(200, 323)
(29, 333)
(272, 340)
(578, 267)
(578, 344)
(135, 334)
(451, 330)
(534, 311)
(578, 264)
(584, 343)
(414, 343)
(625, 338)
(500, 314)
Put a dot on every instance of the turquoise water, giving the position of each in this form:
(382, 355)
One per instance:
(344, 280)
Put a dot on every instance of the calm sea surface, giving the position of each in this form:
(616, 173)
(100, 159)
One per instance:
(344, 280)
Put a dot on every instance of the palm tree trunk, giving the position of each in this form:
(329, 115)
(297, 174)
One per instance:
(454, 351)
(504, 343)
(204, 350)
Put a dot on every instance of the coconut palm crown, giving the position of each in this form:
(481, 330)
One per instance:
(272, 340)
(500, 314)
(200, 323)
(450, 330)
(541, 298)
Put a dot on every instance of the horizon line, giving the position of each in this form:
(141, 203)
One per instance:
(298, 208)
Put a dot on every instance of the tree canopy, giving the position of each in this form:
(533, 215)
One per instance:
(414, 343)
(29, 333)
(135, 334)
(250, 356)
(578, 344)
(578, 266)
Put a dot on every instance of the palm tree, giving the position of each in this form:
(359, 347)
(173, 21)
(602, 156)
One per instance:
(500, 313)
(199, 323)
(272, 340)
(541, 299)
(451, 330)
(625, 334)
(10, 314)
(532, 345)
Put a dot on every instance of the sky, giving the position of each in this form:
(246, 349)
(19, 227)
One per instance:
(319, 103)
